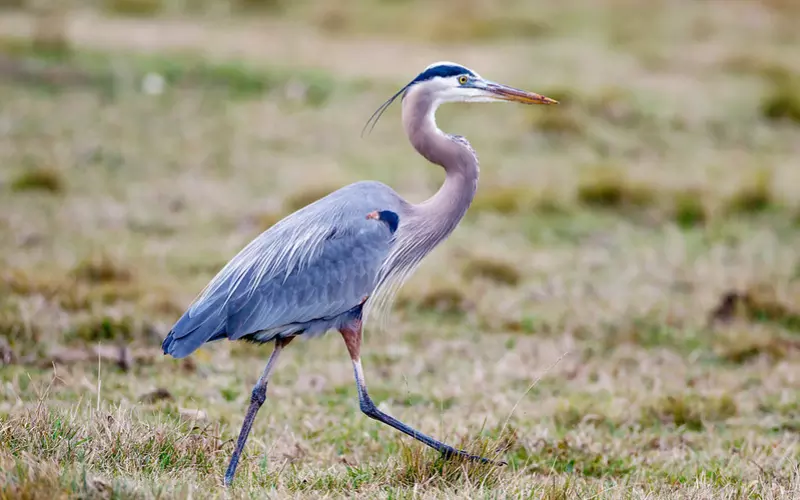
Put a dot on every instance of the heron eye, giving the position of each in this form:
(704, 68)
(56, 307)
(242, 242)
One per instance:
(462, 79)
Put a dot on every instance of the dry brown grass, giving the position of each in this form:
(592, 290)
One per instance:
(564, 327)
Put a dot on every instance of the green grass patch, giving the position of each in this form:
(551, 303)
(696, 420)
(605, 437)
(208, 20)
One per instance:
(782, 101)
(440, 299)
(560, 122)
(506, 200)
(760, 303)
(609, 187)
(763, 304)
(582, 410)
(29, 478)
(269, 6)
(39, 179)
(579, 114)
(689, 411)
(741, 346)
(688, 209)
(102, 269)
(157, 73)
(18, 330)
(753, 196)
(531, 324)
(565, 457)
(97, 281)
(418, 465)
(509, 200)
(29, 283)
(134, 8)
(108, 443)
(468, 24)
(649, 332)
(104, 328)
(498, 271)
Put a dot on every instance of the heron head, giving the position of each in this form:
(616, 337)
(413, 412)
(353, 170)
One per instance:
(450, 82)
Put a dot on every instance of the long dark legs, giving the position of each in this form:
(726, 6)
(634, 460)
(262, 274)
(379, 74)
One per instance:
(352, 338)
(257, 398)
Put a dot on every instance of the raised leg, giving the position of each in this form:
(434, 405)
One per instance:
(257, 398)
(352, 338)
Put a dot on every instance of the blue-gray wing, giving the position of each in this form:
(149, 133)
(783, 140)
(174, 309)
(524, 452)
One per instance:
(301, 275)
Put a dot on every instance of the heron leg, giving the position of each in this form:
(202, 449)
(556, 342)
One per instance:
(352, 338)
(257, 398)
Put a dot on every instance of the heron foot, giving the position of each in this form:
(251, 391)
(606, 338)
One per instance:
(451, 453)
(228, 479)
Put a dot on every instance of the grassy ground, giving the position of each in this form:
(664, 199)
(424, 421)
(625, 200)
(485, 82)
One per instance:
(618, 316)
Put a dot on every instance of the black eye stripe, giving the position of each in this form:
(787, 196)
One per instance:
(442, 71)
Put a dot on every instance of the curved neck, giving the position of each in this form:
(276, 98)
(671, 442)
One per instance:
(443, 211)
(425, 225)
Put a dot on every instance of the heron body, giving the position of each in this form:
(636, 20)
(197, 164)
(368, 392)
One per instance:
(315, 284)
(319, 268)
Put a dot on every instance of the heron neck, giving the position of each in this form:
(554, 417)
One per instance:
(423, 226)
(443, 211)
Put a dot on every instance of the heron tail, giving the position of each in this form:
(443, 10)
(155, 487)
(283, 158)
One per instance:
(192, 331)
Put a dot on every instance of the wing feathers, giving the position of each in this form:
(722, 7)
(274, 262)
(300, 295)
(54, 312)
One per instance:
(316, 263)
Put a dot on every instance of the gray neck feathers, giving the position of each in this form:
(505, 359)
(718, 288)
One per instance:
(440, 214)
(425, 225)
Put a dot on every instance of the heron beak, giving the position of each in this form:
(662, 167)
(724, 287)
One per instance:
(506, 93)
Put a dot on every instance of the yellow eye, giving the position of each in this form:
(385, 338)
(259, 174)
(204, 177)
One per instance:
(462, 79)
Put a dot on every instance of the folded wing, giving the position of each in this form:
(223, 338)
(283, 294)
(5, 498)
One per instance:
(298, 276)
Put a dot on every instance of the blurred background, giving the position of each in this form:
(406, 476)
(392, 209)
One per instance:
(622, 296)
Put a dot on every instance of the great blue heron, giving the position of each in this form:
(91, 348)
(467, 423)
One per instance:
(316, 269)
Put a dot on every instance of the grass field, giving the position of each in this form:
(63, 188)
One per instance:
(618, 315)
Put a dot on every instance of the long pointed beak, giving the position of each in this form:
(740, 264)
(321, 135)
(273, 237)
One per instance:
(506, 93)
